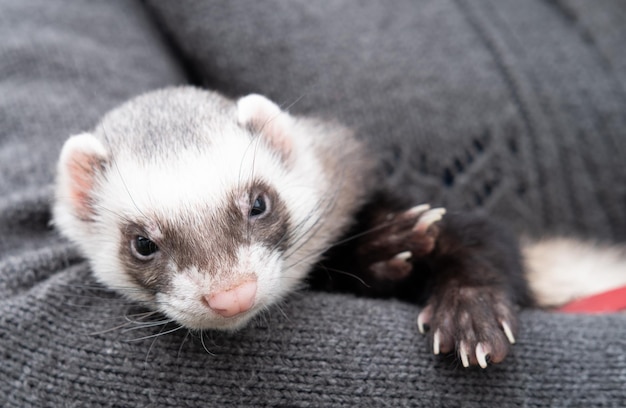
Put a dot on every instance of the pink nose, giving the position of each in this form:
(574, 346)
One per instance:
(233, 301)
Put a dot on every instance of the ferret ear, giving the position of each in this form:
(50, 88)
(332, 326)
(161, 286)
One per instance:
(263, 116)
(83, 158)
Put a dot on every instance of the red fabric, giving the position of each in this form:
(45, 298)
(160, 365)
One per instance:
(605, 302)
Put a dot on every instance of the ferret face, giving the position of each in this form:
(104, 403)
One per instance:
(205, 223)
(206, 265)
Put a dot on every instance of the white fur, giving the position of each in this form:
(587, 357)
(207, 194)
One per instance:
(99, 241)
(184, 302)
(255, 106)
(140, 188)
(84, 143)
(180, 186)
(561, 270)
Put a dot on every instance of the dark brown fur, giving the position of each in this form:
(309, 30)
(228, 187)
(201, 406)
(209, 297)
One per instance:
(183, 241)
(467, 269)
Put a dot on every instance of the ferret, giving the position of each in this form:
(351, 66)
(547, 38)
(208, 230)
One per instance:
(210, 211)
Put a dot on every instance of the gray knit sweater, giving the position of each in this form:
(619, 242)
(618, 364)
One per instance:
(514, 108)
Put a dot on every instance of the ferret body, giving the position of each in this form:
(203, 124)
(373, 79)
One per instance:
(210, 211)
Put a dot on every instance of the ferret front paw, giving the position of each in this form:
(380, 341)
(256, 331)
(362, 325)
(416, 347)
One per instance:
(387, 250)
(476, 322)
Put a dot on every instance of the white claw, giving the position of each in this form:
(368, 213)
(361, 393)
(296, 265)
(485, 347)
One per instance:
(429, 218)
(464, 354)
(403, 256)
(421, 323)
(418, 209)
(481, 355)
(508, 333)
(436, 341)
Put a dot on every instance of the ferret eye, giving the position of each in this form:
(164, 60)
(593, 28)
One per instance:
(259, 206)
(143, 248)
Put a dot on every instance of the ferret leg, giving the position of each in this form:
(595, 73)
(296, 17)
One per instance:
(397, 239)
(469, 269)
(477, 282)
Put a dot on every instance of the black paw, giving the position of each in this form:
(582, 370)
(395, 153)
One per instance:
(387, 250)
(477, 322)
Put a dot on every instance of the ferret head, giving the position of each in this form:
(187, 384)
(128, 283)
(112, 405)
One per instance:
(205, 209)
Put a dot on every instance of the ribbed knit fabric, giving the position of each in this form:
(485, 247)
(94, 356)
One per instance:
(322, 350)
(517, 110)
